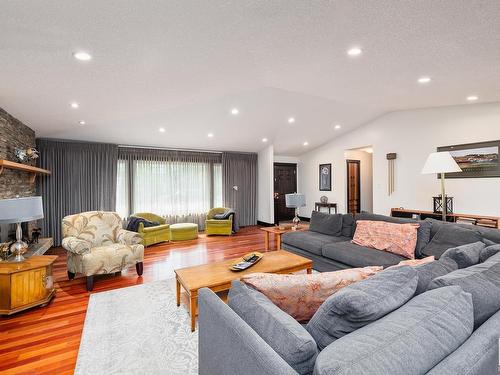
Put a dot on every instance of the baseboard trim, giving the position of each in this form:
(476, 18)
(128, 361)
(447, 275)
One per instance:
(264, 224)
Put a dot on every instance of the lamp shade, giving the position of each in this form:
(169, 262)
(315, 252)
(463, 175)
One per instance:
(440, 162)
(20, 210)
(295, 200)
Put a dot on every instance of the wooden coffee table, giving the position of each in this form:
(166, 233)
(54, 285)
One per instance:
(218, 277)
(277, 234)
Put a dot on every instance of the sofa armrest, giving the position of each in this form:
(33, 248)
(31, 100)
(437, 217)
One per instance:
(128, 237)
(155, 228)
(228, 345)
(76, 245)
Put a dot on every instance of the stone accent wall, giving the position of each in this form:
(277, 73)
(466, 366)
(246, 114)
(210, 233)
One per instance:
(13, 133)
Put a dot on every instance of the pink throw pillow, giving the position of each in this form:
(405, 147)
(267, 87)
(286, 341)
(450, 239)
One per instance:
(400, 239)
(301, 295)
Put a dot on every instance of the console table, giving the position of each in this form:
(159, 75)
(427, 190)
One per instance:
(319, 205)
(480, 220)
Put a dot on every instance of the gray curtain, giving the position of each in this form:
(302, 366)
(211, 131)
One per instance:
(83, 179)
(239, 185)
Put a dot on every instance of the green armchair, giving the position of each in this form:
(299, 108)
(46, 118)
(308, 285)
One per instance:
(218, 226)
(153, 235)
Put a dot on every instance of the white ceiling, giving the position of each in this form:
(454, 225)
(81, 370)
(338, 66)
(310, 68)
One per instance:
(184, 64)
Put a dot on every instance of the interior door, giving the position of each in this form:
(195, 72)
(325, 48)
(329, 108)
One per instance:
(353, 186)
(285, 182)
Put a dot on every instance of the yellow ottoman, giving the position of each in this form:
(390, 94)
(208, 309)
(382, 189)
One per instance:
(183, 231)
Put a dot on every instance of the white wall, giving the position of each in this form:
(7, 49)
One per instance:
(412, 135)
(366, 177)
(265, 185)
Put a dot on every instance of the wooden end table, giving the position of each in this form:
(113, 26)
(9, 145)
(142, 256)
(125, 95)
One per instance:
(218, 276)
(277, 234)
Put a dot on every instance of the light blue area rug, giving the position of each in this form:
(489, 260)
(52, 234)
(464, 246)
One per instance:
(137, 330)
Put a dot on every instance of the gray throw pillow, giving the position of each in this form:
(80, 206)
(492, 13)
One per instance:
(361, 303)
(326, 223)
(347, 225)
(410, 341)
(482, 281)
(449, 236)
(279, 330)
(488, 252)
(423, 237)
(465, 255)
(429, 271)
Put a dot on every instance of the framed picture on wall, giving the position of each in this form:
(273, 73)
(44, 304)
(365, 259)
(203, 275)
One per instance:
(325, 177)
(475, 159)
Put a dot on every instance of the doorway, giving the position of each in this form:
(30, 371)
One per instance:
(353, 186)
(285, 182)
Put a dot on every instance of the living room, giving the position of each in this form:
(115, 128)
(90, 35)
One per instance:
(250, 187)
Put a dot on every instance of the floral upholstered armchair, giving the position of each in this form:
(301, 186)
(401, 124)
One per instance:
(97, 244)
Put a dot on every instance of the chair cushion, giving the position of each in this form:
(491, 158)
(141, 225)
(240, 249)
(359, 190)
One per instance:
(465, 255)
(110, 258)
(308, 240)
(488, 252)
(326, 223)
(278, 329)
(301, 295)
(361, 303)
(482, 281)
(449, 236)
(428, 272)
(411, 340)
(359, 256)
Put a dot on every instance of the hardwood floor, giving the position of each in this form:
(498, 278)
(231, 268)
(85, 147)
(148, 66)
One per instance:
(45, 340)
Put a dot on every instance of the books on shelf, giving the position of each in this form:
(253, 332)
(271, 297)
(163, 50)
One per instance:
(466, 220)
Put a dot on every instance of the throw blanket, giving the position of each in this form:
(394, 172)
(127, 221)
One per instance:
(133, 223)
(225, 216)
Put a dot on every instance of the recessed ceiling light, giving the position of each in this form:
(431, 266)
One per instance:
(472, 98)
(424, 79)
(291, 120)
(337, 127)
(355, 51)
(305, 143)
(235, 111)
(74, 105)
(82, 56)
(161, 130)
(210, 135)
(81, 123)
(264, 140)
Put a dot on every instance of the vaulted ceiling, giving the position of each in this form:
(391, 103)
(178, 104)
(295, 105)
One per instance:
(183, 65)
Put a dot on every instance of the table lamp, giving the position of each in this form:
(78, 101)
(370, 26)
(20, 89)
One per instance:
(441, 162)
(20, 210)
(296, 201)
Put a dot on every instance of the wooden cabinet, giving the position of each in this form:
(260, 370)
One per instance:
(26, 284)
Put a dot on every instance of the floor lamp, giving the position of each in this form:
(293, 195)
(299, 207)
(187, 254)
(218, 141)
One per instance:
(441, 162)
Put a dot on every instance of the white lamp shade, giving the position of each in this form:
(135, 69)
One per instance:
(440, 162)
(295, 200)
(20, 210)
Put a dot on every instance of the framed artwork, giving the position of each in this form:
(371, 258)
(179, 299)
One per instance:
(325, 177)
(476, 159)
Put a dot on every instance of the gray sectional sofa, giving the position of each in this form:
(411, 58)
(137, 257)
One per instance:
(440, 318)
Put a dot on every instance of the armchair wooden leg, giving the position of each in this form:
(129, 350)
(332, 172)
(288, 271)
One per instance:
(71, 275)
(90, 283)
(139, 267)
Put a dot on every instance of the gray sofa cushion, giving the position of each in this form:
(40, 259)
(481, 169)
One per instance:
(476, 356)
(450, 236)
(411, 340)
(465, 255)
(347, 225)
(491, 234)
(309, 241)
(429, 271)
(326, 223)
(361, 303)
(278, 329)
(488, 252)
(482, 281)
(359, 256)
(423, 232)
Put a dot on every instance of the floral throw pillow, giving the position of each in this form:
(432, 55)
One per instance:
(301, 295)
(400, 239)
